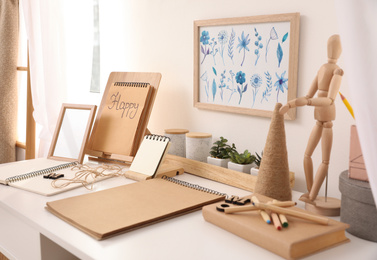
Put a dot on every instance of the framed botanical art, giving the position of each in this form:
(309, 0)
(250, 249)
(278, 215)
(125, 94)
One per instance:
(246, 65)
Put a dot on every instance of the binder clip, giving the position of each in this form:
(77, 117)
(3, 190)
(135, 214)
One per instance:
(53, 176)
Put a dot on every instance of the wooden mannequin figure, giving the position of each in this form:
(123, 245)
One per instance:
(327, 84)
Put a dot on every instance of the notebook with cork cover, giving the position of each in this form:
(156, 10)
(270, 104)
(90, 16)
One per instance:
(123, 115)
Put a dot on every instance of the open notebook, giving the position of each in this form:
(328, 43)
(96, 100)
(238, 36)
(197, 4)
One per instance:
(28, 175)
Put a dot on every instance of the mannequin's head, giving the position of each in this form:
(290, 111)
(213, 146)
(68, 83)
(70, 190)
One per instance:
(334, 47)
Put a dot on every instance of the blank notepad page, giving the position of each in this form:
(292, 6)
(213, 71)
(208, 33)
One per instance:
(150, 154)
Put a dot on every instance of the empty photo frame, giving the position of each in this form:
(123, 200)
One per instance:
(72, 132)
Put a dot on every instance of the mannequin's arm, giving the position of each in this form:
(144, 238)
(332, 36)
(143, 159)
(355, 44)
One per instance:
(301, 101)
(333, 91)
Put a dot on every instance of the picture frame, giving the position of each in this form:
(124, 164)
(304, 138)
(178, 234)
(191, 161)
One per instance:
(246, 65)
(72, 132)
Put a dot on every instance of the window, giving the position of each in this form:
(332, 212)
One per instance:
(25, 121)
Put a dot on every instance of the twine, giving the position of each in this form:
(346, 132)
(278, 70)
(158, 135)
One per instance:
(85, 171)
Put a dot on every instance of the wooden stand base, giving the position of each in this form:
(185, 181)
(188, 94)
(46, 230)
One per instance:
(169, 171)
(164, 170)
(329, 207)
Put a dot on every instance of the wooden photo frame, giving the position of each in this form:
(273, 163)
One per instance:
(72, 132)
(246, 65)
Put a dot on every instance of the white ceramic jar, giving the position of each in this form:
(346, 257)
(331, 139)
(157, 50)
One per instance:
(198, 146)
(177, 141)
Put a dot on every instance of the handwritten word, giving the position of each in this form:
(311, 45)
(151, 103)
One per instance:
(128, 107)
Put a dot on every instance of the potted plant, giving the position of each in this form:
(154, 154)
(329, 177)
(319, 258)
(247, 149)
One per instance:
(241, 161)
(219, 153)
(258, 160)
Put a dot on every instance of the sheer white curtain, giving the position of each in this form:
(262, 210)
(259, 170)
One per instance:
(357, 26)
(53, 28)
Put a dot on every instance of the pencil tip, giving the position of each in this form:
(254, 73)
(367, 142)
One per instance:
(268, 221)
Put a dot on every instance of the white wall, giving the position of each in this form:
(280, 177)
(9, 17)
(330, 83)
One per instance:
(157, 36)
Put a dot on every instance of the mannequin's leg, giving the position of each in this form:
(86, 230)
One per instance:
(322, 171)
(314, 138)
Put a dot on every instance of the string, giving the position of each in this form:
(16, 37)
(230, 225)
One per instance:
(87, 175)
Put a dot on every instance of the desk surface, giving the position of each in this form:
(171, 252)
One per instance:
(184, 237)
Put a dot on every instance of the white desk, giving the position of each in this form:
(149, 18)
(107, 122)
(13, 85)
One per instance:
(28, 231)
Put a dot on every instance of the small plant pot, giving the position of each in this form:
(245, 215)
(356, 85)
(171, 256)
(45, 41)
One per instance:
(254, 171)
(218, 162)
(240, 167)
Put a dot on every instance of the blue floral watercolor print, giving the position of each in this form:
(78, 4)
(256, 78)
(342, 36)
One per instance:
(280, 84)
(204, 77)
(242, 44)
(230, 45)
(273, 36)
(255, 82)
(258, 45)
(204, 39)
(240, 68)
(267, 92)
(214, 50)
(223, 40)
(233, 89)
(222, 85)
(240, 79)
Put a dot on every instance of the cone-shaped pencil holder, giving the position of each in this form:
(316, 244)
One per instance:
(273, 176)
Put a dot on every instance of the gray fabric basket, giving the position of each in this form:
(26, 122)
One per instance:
(358, 208)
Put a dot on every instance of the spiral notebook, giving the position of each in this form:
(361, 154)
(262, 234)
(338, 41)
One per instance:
(122, 114)
(113, 211)
(149, 157)
(28, 175)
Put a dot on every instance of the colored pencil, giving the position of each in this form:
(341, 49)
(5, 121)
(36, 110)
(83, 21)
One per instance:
(283, 219)
(347, 104)
(276, 220)
(294, 213)
(263, 213)
(252, 207)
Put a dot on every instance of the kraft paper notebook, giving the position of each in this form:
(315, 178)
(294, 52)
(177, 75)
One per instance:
(126, 100)
(109, 212)
(299, 239)
(123, 116)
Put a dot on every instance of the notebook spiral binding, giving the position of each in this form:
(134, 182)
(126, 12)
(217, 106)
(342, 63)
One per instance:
(39, 172)
(158, 137)
(194, 186)
(131, 84)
